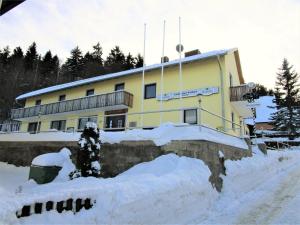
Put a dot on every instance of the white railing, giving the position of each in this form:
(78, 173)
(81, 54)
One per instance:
(202, 115)
(8, 127)
(84, 103)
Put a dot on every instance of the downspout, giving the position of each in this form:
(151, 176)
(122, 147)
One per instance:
(222, 93)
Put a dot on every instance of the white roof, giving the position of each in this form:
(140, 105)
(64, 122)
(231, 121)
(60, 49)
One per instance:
(122, 73)
(265, 109)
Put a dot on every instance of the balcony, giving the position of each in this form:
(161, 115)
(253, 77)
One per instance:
(240, 93)
(238, 99)
(102, 101)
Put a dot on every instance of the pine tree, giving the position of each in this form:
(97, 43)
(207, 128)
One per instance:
(93, 62)
(261, 90)
(97, 54)
(48, 70)
(115, 61)
(31, 57)
(72, 69)
(130, 62)
(139, 61)
(89, 153)
(286, 94)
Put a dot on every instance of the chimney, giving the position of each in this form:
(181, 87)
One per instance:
(191, 53)
(164, 59)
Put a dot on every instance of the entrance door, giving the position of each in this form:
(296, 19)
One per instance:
(115, 122)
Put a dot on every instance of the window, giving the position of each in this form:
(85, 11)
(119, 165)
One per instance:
(232, 121)
(150, 91)
(38, 102)
(82, 121)
(230, 80)
(119, 87)
(190, 116)
(58, 125)
(90, 92)
(62, 98)
(34, 127)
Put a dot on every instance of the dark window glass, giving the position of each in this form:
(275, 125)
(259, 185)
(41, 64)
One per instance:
(89, 92)
(150, 91)
(34, 127)
(62, 98)
(190, 116)
(58, 125)
(232, 119)
(82, 121)
(38, 102)
(119, 87)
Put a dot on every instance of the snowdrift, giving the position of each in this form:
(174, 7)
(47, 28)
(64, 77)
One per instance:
(167, 190)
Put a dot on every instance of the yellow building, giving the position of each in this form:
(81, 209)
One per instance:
(132, 98)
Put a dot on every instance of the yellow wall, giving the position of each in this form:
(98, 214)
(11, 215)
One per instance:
(198, 74)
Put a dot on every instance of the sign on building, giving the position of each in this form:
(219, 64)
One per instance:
(188, 93)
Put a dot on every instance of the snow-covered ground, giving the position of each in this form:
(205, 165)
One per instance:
(171, 190)
(160, 136)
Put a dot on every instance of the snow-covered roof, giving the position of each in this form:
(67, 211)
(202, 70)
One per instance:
(123, 73)
(265, 109)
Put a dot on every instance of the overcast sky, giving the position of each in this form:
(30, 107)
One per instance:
(264, 31)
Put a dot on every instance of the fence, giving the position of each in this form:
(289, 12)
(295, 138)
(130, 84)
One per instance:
(144, 120)
(195, 116)
(89, 102)
(11, 126)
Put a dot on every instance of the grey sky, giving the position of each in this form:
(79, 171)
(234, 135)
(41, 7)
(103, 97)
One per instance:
(264, 31)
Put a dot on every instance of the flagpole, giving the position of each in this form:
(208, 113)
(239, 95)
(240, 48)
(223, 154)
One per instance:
(180, 70)
(162, 74)
(143, 78)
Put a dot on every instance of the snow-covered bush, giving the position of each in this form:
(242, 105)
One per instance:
(88, 154)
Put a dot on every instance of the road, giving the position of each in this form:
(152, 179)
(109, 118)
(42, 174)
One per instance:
(279, 206)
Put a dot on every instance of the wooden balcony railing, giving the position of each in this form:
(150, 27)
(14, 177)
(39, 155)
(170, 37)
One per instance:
(89, 102)
(239, 93)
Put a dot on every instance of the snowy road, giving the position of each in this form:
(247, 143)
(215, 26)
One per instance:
(272, 209)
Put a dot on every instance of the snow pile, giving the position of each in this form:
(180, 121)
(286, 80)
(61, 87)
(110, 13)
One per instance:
(165, 184)
(161, 135)
(175, 190)
(43, 136)
(167, 132)
(60, 159)
(11, 177)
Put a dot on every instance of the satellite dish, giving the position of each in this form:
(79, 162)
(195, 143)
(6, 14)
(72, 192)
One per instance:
(251, 85)
(179, 48)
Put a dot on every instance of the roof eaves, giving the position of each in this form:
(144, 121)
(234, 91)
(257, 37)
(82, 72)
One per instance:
(122, 73)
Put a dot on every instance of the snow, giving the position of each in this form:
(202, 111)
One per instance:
(122, 73)
(52, 159)
(264, 110)
(221, 155)
(161, 135)
(11, 177)
(175, 190)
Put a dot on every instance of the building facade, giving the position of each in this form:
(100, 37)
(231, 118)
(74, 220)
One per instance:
(129, 99)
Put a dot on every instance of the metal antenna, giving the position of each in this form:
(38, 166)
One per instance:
(143, 77)
(162, 74)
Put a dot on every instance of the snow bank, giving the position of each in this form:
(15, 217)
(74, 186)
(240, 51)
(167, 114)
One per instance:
(11, 177)
(61, 159)
(169, 190)
(160, 135)
(162, 185)
(170, 131)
